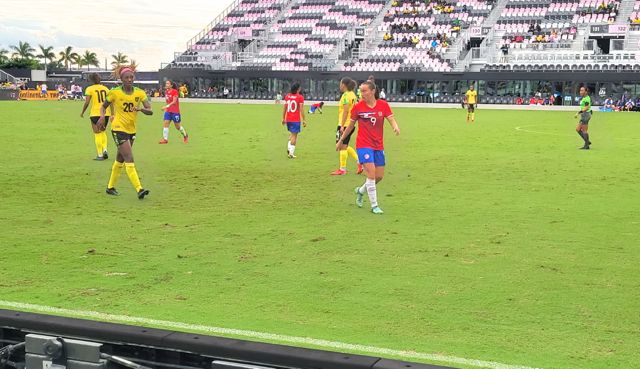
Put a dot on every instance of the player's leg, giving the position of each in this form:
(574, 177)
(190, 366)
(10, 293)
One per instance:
(342, 154)
(379, 162)
(116, 168)
(97, 138)
(293, 140)
(472, 112)
(585, 136)
(165, 128)
(294, 129)
(366, 157)
(177, 120)
(104, 140)
(130, 167)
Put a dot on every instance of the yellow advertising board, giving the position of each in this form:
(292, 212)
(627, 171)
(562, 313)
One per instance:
(37, 95)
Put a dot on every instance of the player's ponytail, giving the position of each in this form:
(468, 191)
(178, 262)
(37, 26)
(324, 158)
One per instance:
(295, 88)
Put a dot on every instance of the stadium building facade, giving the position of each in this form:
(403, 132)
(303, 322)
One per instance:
(418, 51)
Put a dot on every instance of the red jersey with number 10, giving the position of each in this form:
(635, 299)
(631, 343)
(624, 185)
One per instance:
(293, 110)
(370, 123)
(170, 95)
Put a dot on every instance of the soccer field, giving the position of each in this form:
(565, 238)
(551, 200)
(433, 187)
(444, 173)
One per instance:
(501, 241)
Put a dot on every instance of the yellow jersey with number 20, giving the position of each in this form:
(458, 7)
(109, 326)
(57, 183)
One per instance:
(125, 117)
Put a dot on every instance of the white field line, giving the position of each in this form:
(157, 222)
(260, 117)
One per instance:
(261, 335)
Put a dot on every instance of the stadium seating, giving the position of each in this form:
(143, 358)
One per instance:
(417, 34)
(312, 33)
(408, 35)
(248, 16)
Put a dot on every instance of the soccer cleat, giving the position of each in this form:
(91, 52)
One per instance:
(142, 193)
(584, 148)
(112, 191)
(338, 172)
(185, 139)
(105, 154)
(377, 210)
(99, 158)
(359, 197)
(291, 156)
(360, 168)
(163, 142)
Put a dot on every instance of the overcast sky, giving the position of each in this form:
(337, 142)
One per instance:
(149, 31)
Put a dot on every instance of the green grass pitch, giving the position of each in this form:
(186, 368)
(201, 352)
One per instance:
(497, 243)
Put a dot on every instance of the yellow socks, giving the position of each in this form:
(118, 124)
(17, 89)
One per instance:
(104, 140)
(116, 169)
(133, 175)
(97, 137)
(343, 159)
(352, 153)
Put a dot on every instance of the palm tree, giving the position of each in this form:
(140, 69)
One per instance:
(3, 55)
(47, 54)
(119, 59)
(22, 51)
(90, 58)
(68, 56)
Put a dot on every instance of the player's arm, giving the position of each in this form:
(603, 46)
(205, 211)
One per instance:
(103, 112)
(86, 105)
(146, 108)
(345, 133)
(392, 120)
(284, 113)
(304, 119)
(345, 114)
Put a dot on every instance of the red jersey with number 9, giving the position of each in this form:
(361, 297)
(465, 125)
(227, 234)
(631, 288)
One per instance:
(370, 124)
(291, 101)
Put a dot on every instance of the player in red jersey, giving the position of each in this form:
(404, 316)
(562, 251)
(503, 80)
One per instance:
(370, 113)
(292, 116)
(172, 113)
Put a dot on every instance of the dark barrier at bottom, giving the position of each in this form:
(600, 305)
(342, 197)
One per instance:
(60, 343)
(9, 94)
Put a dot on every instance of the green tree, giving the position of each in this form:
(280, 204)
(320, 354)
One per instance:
(22, 51)
(68, 57)
(119, 59)
(89, 59)
(47, 54)
(3, 56)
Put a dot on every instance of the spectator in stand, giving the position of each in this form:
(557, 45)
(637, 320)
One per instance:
(608, 103)
(532, 100)
(225, 92)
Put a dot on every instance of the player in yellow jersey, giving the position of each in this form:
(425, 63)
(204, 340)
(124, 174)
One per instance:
(347, 101)
(96, 95)
(126, 101)
(471, 99)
